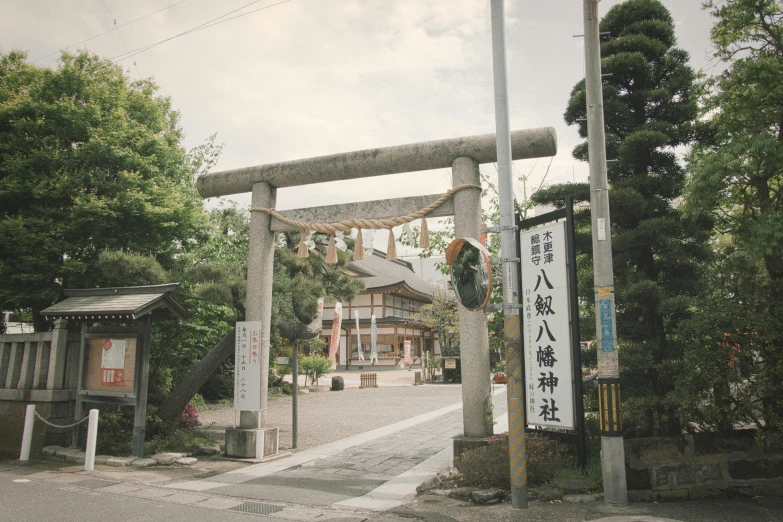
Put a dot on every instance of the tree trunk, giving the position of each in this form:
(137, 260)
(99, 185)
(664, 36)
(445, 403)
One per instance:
(179, 397)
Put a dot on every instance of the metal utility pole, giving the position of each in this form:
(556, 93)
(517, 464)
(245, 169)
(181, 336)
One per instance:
(612, 450)
(508, 254)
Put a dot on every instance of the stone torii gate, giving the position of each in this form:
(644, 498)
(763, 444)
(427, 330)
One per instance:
(463, 155)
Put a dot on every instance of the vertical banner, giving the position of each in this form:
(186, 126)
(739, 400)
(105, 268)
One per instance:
(334, 342)
(358, 336)
(373, 340)
(247, 366)
(548, 358)
(407, 350)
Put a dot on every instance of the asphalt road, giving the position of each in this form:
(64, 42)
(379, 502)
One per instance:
(37, 501)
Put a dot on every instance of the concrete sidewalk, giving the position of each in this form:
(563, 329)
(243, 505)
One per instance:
(376, 470)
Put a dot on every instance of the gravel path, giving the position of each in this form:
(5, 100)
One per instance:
(329, 416)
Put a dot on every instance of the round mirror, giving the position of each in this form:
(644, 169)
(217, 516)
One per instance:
(471, 272)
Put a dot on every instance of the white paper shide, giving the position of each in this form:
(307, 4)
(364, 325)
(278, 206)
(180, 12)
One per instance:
(247, 366)
(545, 319)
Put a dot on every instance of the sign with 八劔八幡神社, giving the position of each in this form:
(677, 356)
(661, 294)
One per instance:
(549, 390)
(247, 366)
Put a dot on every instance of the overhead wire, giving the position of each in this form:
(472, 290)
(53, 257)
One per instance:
(116, 27)
(205, 25)
(121, 37)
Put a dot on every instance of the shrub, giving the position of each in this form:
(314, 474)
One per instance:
(188, 419)
(545, 458)
(315, 366)
(115, 429)
(486, 467)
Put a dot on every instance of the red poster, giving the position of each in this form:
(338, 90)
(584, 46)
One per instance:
(334, 345)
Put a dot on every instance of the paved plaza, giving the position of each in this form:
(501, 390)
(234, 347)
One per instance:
(370, 473)
(378, 469)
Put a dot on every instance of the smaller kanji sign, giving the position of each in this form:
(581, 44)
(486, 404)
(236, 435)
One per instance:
(247, 366)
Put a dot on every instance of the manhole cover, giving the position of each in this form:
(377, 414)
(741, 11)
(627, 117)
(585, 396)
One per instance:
(257, 508)
(93, 483)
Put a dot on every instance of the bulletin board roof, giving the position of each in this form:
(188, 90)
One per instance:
(120, 303)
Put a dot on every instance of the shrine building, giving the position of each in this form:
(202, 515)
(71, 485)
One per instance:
(394, 293)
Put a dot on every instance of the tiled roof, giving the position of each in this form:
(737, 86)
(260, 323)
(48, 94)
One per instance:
(130, 302)
(381, 273)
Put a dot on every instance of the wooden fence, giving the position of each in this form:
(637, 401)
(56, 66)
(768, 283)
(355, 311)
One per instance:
(369, 380)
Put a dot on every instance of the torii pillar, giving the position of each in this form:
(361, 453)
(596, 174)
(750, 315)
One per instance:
(463, 155)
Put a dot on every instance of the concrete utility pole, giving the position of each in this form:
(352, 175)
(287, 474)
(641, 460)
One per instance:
(508, 254)
(612, 450)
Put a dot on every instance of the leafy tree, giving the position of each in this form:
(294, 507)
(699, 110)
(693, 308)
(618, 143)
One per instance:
(737, 168)
(649, 105)
(88, 161)
(442, 316)
(307, 279)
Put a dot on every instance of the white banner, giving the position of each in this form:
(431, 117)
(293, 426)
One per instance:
(358, 336)
(373, 340)
(545, 318)
(407, 351)
(247, 366)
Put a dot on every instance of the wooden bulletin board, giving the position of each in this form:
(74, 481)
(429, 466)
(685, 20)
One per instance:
(107, 368)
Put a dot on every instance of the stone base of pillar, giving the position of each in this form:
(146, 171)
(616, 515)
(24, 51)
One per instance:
(251, 443)
(463, 444)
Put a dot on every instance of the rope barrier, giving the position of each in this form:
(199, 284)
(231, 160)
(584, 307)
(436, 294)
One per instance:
(374, 224)
(58, 426)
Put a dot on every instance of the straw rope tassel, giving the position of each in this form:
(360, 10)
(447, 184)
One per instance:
(303, 251)
(358, 247)
(424, 239)
(331, 252)
(391, 249)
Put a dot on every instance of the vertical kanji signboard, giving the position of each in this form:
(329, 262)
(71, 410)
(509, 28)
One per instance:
(549, 371)
(247, 366)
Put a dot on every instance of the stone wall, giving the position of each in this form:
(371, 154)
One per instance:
(40, 369)
(702, 465)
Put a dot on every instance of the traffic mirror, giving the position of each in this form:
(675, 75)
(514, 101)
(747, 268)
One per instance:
(471, 272)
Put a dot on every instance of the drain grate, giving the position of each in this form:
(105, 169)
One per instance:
(257, 508)
(93, 483)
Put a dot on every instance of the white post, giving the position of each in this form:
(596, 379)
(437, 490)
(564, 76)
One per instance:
(27, 434)
(92, 435)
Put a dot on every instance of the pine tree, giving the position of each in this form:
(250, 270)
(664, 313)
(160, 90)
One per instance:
(649, 106)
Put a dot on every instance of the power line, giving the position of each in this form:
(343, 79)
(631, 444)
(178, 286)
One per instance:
(138, 74)
(117, 27)
(205, 25)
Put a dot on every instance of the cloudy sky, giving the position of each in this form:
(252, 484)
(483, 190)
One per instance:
(313, 77)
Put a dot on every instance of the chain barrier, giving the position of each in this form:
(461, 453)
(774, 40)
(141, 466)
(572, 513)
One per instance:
(58, 426)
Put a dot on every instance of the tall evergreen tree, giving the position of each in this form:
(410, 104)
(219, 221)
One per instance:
(649, 106)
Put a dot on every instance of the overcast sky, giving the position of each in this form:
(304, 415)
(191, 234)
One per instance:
(314, 77)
